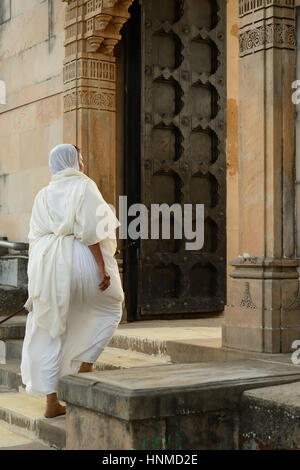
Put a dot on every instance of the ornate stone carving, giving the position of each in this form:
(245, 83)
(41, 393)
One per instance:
(97, 23)
(249, 6)
(91, 99)
(247, 301)
(271, 35)
(295, 304)
(266, 24)
(92, 31)
(89, 68)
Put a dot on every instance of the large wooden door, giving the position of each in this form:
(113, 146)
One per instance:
(175, 121)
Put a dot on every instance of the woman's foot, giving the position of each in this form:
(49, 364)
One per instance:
(53, 407)
(86, 367)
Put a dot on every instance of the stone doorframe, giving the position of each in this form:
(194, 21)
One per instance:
(263, 307)
(92, 30)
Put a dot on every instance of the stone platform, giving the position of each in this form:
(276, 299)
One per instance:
(177, 406)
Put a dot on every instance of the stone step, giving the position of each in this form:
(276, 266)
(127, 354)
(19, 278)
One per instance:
(14, 328)
(10, 375)
(270, 418)
(152, 346)
(12, 349)
(111, 358)
(12, 299)
(12, 440)
(116, 358)
(26, 414)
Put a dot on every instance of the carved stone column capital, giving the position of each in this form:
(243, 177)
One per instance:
(96, 23)
(266, 24)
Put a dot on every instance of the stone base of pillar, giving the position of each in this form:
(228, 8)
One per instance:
(263, 309)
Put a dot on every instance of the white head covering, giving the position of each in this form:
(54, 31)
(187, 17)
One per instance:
(63, 156)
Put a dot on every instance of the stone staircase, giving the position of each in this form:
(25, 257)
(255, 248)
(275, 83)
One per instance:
(22, 422)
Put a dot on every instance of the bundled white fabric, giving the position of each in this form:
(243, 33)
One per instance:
(91, 322)
(67, 208)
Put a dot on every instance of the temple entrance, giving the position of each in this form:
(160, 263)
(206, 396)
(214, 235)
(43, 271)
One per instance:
(175, 129)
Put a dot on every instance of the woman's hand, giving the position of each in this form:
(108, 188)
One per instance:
(97, 253)
(105, 283)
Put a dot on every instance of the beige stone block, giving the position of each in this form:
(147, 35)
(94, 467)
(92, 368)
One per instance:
(246, 292)
(58, 17)
(35, 180)
(298, 218)
(19, 8)
(289, 291)
(9, 153)
(288, 335)
(244, 338)
(272, 318)
(272, 340)
(297, 136)
(34, 26)
(46, 64)
(55, 135)
(55, 84)
(32, 93)
(88, 430)
(23, 118)
(272, 293)
(49, 109)
(34, 156)
(5, 124)
(291, 318)
(69, 128)
(8, 226)
(244, 317)
(23, 227)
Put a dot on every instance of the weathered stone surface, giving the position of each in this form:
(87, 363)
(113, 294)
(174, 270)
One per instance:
(13, 271)
(10, 375)
(270, 418)
(32, 69)
(26, 413)
(148, 392)
(87, 430)
(14, 328)
(265, 193)
(13, 349)
(11, 299)
(264, 296)
(209, 431)
(188, 406)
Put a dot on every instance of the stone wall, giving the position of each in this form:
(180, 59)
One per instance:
(32, 52)
(232, 132)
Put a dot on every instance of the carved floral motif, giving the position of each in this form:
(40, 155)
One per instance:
(277, 35)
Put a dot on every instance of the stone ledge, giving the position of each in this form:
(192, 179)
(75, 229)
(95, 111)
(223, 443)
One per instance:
(270, 418)
(169, 390)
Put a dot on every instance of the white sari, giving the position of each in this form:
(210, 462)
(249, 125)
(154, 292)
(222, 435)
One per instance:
(70, 319)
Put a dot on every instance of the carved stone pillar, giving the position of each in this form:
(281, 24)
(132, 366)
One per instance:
(92, 31)
(263, 308)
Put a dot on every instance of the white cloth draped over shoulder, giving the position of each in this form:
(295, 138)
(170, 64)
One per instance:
(71, 206)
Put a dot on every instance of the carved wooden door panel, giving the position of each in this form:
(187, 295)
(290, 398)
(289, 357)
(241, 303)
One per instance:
(177, 151)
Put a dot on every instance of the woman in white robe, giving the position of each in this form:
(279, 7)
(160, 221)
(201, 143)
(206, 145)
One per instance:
(75, 292)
